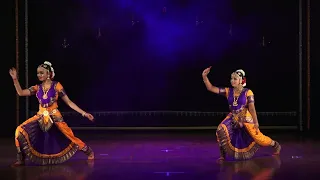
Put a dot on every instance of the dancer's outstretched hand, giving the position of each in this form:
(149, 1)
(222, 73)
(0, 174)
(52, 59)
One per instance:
(13, 73)
(89, 116)
(206, 72)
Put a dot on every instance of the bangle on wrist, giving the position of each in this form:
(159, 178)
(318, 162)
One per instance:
(83, 114)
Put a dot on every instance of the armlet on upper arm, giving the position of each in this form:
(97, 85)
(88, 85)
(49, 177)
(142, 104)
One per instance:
(224, 91)
(33, 89)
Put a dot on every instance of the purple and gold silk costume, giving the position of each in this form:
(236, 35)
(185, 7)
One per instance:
(239, 143)
(45, 138)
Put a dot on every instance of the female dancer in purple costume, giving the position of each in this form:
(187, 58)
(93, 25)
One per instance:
(45, 138)
(238, 134)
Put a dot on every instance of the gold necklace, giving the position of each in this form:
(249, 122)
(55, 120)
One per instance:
(235, 98)
(45, 92)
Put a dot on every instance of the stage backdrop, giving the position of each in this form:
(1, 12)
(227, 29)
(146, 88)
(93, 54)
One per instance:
(126, 55)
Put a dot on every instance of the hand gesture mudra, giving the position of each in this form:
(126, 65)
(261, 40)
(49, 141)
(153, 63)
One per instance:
(89, 116)
(206, 72)
(13, 73)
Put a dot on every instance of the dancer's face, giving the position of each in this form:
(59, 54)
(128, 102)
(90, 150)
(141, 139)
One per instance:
(42, 73)
(235, 80)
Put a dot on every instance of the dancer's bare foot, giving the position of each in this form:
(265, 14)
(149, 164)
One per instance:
(220, 160)
(277, 148)
(277, 153)
(18, 163)
(91, 156)
(88, 151)
(20, 160)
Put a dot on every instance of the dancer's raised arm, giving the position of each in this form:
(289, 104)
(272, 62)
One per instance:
(207, 82)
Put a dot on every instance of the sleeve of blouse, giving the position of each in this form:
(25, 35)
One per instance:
(250, 96)
(60, 90)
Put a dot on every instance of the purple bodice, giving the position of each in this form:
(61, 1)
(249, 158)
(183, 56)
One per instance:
(241, 102)
(51, 95)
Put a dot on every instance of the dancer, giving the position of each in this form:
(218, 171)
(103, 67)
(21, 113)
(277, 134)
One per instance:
(45, 138)
(238, 134)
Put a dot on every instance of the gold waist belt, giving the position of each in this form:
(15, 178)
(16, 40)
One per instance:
(46, 115)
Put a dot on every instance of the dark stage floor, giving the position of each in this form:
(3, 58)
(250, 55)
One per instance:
(184, 155)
